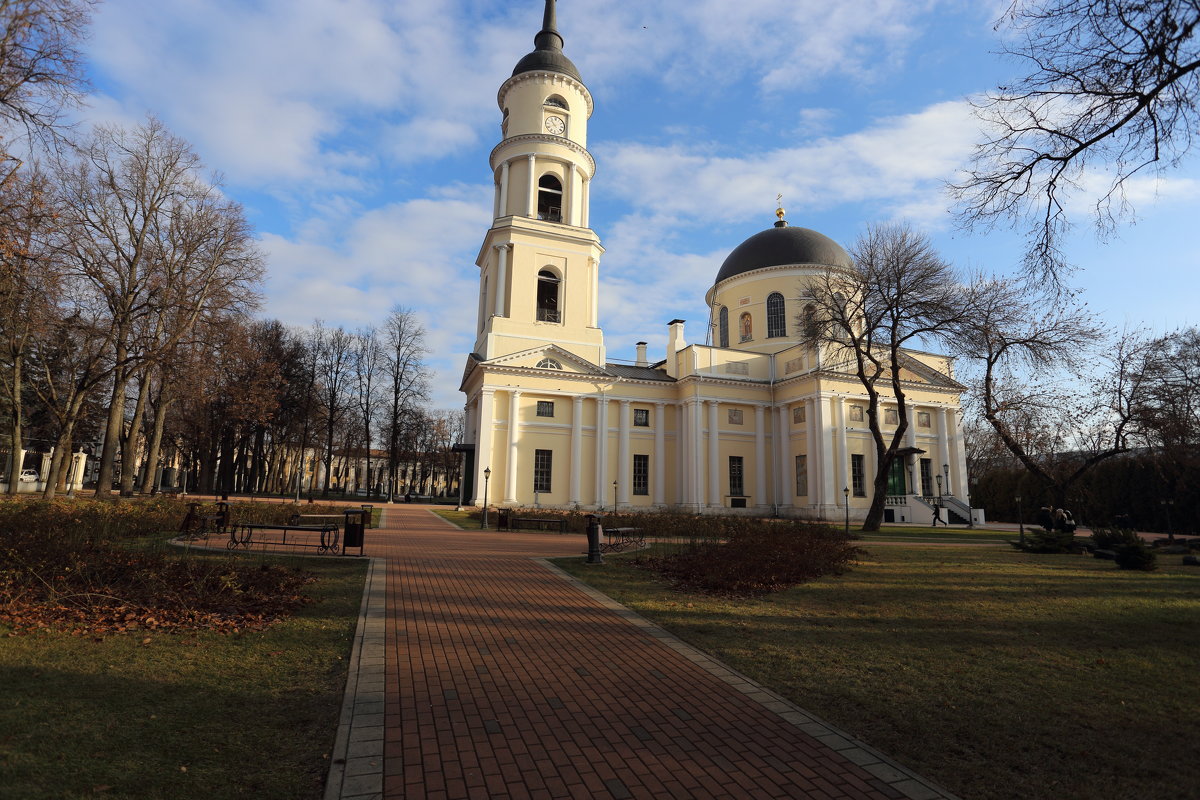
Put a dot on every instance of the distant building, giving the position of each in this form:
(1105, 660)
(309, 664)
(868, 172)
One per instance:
(760, 421)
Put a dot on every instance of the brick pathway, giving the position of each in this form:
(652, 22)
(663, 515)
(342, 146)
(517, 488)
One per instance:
(502, 677)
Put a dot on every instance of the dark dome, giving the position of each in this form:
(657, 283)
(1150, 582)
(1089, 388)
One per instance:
(783, 245)
(547, 61)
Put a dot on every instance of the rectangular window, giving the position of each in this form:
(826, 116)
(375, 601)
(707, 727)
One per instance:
(891, 416)
(858, 474)
(798, 415)
(856, 413)
(802, 476)
(926, 477)
(543, 461)
(735, 416)
(641, 418)
(641, 474)
(737, 483)
(922, 419)
(545, 408)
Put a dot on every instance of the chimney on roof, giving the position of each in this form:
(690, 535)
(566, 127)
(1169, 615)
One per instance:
(675, 343)
(641, 355)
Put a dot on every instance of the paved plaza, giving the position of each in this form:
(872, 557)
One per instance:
(481, 671)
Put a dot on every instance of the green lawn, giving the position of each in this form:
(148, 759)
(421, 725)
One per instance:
(184, 716)
(996, 673)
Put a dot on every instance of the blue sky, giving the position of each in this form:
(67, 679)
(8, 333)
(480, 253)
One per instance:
(356, 133)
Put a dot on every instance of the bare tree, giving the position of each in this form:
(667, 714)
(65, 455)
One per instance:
(900, 292)
(1111, 93)
(29, 283)
(158, 245)
(41, 66)
(368, 358)
(333, 354)
(1168, 411)
(406, 376)
(1058, 391)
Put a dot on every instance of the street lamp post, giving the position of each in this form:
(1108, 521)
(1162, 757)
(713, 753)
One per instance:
(487, 476)
(614, 496)
(1021, 521)
(846, 494)
(946, 472)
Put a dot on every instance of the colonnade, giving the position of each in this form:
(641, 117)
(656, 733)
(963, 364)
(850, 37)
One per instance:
(824, 438)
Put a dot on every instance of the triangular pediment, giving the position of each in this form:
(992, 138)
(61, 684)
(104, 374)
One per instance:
(551, 359)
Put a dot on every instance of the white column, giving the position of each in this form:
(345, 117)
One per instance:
(825, 425)
(586, 201)
(714, 455)
(684, 451)
(594, 291)
(812, 449)
(911, 467)
(760, 456)
(571, 201)
(960, 461)
(943, 451)
(501, 275)
(624, 469)
(510, 469)
(576, 448)
(601, 450)
(698, 496)
(503, 190)
(843, 456)
(783, 447)
(531, 197)
(660, 453)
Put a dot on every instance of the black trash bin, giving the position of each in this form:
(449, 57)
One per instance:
(354, 531)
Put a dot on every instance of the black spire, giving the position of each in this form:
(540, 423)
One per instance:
(548, 37)
(548, 55)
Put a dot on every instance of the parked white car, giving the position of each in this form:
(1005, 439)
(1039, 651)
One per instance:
(29, 476)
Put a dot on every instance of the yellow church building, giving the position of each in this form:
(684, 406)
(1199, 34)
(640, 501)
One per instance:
(762, 421)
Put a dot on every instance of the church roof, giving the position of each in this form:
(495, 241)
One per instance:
(782, 245)
(638, 373)
(548, 55)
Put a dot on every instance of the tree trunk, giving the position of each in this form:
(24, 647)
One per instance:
(112, 430)
(15, 460)
(129, 442)
(154, 446)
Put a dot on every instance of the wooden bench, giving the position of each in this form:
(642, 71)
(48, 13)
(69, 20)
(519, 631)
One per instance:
(505, 521)
(242, 535)
(617, 539)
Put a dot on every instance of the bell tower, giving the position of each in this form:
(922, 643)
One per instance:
(539, 262)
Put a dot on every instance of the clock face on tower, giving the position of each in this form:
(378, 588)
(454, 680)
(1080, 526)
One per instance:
(555, 125)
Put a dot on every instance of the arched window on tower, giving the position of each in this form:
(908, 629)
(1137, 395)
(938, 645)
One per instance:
(550, 197)
(723, 327)
(556, 101)
(776, 326)
(548, 290)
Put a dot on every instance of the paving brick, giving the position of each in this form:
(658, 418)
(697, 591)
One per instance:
(494, 675)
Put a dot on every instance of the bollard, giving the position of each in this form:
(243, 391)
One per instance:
(593, 535)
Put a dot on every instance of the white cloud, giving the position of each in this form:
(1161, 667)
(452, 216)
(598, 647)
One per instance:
(896, 162)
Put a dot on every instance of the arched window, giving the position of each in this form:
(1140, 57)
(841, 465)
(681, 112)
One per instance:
(548, 286)
(775, 322)
(810, 321)
(548, 363)
(723, 326)
(550, 196)
(746, 327)
(556, 101)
